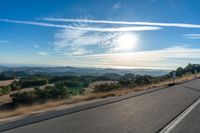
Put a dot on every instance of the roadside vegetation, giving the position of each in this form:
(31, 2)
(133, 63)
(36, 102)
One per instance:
(5, 90)
(57, 92)
(69, 86)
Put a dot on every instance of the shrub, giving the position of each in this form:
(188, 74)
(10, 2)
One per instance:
(143, 80)
(52, 92)
(76, 91)
(126, 82)
(62, 92)
(22, 97)
(32, 82)
(41, 94)
(1, 91)
(37, 94)
(71, 84)
(5, 90)
(14, 86)
(106, 87)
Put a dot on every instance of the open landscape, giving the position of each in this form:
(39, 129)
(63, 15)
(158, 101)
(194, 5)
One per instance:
(99, 66)
(37, 93)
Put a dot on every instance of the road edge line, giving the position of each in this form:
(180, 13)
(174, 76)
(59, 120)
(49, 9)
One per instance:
(170, 126)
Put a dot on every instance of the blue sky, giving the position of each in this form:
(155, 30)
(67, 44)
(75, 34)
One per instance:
(100, 33)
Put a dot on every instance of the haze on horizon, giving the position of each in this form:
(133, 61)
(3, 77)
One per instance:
(107, 34)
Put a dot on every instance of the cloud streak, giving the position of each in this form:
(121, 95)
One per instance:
(181, 25)
(97, 29)
(42, 53)
(116, 6)
(192, 36)
(156, 55)
(163, 58)
(4, 41)
(36, 46)
(75, 42)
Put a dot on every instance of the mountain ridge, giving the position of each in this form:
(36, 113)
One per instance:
(81, 71)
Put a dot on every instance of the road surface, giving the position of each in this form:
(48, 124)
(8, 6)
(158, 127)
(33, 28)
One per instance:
(146, 113)
(190, 124)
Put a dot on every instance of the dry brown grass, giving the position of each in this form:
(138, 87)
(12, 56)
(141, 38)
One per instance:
(52, 104)
(6, 82)
(5, 99)
(93, 84)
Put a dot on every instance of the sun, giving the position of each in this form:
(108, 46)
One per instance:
(126, 42)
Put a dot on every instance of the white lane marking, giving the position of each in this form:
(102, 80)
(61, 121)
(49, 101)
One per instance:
(178, 119)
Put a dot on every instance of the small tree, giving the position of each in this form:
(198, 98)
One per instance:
(14, 86)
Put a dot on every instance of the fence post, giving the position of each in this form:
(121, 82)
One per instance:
(195, 72)
(173, 76)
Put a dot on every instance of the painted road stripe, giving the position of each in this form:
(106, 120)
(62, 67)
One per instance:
(175, 122)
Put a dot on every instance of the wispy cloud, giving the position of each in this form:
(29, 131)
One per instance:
(98, 29)
(192, 36)
(116, 6)
(36, 46)
(32, 23)
(166, 58)
(162, 58)
(77, 52)
(75, 41)
(157, 55)
(4, 41)
(43, 53)
(182, 25)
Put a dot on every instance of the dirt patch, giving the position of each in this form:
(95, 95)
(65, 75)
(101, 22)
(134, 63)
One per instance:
(6, 82)
(5, 99)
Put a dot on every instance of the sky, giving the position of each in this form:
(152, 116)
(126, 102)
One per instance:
(153, 34)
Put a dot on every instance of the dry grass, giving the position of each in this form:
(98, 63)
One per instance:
(6, 82)
(5, 99)
(52, 104)
(93, 84)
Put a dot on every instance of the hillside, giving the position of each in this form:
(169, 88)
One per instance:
(78, 71)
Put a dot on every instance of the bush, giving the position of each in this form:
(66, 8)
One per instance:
(59, 92)
(106, 87)
(5, 90)
(71, 84)
(127, 82)
(37, 94)
(41, 94)
(32, 82)
(76, 91)
(143, 80)
(1, 91)
(52, 92)
(14, 86)
(23, 97)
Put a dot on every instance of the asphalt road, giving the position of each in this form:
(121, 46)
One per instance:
(190, 124)
(146, 113)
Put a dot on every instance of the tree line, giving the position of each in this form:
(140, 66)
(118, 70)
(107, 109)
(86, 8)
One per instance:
(131, 80)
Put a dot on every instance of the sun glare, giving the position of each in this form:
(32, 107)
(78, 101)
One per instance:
(126, 42)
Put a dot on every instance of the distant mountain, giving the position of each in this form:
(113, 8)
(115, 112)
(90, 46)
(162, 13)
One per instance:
(3, 68)
(78, 71)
